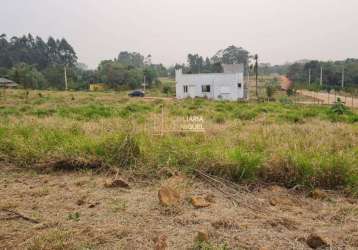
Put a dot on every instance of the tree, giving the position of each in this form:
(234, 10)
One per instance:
(52, 50)
(134, 78)
(55, 77)
(332, 73)
(150, 75)
(131, 59)
(295, 72)
(270, 91)
(232, 55)
(34, 51)
(148, 60)
(84, 76)
(160, 70)
(196, 63)
(66, 53)
(315, 68)
(28, 76)
(119, 75)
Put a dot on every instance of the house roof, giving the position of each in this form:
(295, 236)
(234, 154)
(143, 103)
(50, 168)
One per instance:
(7, 82)
(4, 80)
(233, 68)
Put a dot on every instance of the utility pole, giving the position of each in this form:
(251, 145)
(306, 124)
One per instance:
(66, 85)
(321, 78)
(248, 83)
(309, 77)
(257, 74)
(144, 84)
(343, 78)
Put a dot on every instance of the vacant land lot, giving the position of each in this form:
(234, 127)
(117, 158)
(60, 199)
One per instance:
(75, 211)
(57, 150)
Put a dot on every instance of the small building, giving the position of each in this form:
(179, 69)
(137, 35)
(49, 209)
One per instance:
(228, 85)
(7, 84)
(98, 87)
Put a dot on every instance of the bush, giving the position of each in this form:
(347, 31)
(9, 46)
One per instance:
(219, 119)
(284, 100)
(121, 150)
(245, 114)
(270, 91)
(339, 108)
(89, 112)
(295, 117)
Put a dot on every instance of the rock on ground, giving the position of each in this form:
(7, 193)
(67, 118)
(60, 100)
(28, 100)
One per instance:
(168, 196)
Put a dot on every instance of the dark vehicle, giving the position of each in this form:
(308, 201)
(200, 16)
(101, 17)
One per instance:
(136, 93)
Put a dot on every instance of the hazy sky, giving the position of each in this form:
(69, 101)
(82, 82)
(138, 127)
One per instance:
(278, 30)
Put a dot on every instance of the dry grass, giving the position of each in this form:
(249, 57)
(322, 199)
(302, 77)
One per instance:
(121, 219)
(286, 144)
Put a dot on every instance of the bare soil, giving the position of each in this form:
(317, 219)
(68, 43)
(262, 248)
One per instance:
(326, 98)
(76, 211)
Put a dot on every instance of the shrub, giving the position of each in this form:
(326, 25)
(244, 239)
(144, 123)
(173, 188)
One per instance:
(43, 112)
(339, 108)
(292, 116)
(247, 162)
(270, 91)
(246, 114)
(285, 100)
(353, 118)
(121, 150)
(242, 165)
(290, 92)
(220, 119)
(90, 112)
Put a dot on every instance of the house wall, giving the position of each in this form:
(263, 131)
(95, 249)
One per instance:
(222, 86)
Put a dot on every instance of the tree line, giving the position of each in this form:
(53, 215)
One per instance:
(332, 73)
(198, 64)
(39, 64)
(36, 63)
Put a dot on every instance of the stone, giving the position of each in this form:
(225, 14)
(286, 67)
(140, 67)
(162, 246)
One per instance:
(281, 200)
(93, 205)
(277, 189)
(168, 196)
(199, 202)
(318, 194)
(202, 236)
(116, 183)
(316, 241)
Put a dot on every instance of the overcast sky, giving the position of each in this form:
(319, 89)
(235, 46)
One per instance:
(278, 30)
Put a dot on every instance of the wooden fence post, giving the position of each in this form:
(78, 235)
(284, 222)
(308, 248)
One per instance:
(162, 123)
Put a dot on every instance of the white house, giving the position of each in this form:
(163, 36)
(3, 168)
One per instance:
(218, 86)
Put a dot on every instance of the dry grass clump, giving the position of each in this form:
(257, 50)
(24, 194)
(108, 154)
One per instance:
(52, 240)
(122, 150)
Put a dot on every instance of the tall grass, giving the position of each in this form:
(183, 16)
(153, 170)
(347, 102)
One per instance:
(282, 143)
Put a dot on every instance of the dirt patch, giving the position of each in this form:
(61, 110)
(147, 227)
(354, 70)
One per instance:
(75, 210)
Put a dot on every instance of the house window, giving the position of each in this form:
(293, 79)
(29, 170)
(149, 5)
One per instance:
(185, 88)
(239, 85)
(205, 88)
